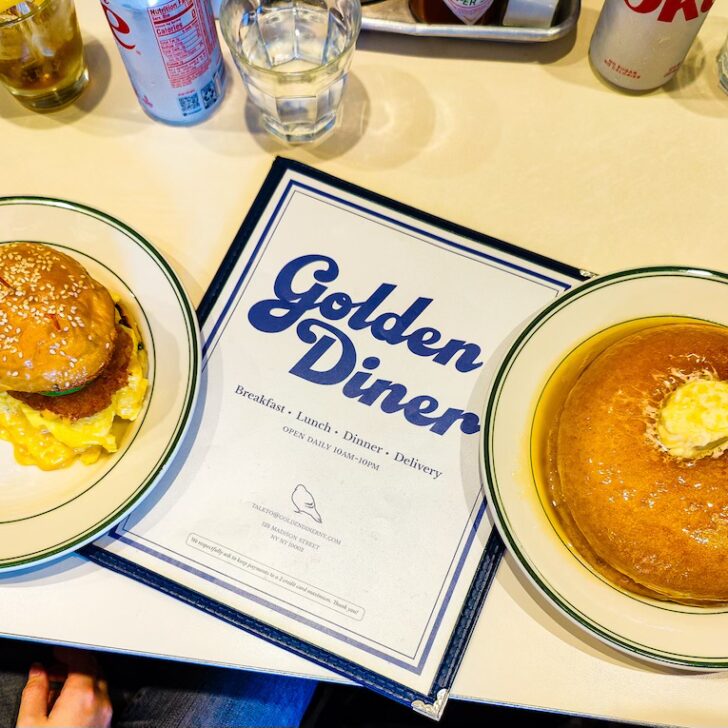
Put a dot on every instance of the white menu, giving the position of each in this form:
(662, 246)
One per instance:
(330, 489)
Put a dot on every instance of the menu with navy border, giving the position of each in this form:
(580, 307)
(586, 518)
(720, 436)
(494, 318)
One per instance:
(328, 497)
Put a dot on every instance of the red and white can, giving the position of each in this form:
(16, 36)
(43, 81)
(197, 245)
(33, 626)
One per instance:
(640, 44)
(172, 55)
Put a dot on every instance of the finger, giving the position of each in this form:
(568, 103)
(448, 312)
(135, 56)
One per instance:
(78, 687)
(34, 701)
(102, 687)
(83, 701)
(79, 690)
(104, 710)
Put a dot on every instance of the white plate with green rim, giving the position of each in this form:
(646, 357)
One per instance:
(663, 632)
(46, 514)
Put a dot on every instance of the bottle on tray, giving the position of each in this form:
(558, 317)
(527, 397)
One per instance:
(463, 12)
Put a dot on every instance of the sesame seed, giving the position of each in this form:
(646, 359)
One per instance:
(43, 289)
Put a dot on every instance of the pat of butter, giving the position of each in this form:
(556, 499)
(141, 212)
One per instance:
(693, 421)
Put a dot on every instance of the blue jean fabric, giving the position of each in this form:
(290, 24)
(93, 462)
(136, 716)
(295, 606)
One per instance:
(153, 694)
(11, 684)
(224, 699)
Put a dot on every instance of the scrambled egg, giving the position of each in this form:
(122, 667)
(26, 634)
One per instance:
(51, 442)
(693, 421)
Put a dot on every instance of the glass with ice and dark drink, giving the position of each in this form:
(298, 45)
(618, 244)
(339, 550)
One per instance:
(41, 53)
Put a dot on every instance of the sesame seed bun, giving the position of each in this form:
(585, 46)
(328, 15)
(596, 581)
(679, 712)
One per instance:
(57, 324)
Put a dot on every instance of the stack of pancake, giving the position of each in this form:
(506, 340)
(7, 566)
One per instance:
(651, 521)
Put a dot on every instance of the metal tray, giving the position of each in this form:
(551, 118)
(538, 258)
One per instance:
(394, 16)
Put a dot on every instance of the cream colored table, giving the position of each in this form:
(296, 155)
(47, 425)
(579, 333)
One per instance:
(523, 143)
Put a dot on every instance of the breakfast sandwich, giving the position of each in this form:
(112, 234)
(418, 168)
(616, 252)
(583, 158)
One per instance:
(72, 362)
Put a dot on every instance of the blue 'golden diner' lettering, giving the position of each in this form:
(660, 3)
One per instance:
(329, 344)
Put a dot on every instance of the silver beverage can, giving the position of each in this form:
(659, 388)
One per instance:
(172, 54)
(640, 44)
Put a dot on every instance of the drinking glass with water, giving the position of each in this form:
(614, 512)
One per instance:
(723, 66)
(294, 56)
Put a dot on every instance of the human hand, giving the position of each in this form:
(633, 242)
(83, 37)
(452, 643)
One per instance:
(82, 703)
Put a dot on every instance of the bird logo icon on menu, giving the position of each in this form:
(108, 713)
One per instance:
(304, 502)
